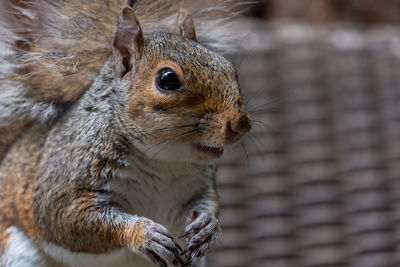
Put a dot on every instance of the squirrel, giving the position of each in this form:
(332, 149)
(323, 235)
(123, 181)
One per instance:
(110, 162)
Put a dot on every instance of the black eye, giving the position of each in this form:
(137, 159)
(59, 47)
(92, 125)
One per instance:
(167, 80)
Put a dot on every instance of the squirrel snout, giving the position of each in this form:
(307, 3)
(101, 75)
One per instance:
(237, 128)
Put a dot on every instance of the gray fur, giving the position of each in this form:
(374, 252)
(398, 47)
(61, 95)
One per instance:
(44, 20)
(91, 186)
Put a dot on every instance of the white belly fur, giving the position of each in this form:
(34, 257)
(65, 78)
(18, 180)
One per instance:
(24, 253)
(159, 195)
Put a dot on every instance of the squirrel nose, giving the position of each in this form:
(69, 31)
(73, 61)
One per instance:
(236, 129)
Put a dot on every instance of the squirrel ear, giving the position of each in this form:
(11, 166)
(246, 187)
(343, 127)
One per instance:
(186, 25)
(128, 40)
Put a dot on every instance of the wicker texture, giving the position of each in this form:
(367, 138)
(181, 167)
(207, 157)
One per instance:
(320, 185)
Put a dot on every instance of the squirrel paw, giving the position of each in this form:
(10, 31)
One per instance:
(202, 235)
(159, 246)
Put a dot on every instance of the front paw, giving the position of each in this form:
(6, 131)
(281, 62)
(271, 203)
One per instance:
(158, 245)
(202, 235)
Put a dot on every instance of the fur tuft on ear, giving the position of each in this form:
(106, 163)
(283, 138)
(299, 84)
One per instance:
(129, 40)
(186, 25)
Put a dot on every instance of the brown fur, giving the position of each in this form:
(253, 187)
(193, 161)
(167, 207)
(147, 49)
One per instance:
(16, 188)
(53, 178)
(61, 46)
(199, 97)
(8, 135)
(23, 185)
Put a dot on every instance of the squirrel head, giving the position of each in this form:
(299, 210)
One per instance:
(183, 100)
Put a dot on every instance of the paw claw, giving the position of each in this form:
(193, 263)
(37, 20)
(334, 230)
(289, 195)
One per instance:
(177, 245)
(160, 247)
(185, 251)
(193, 256)
(183, 235)
(202, 235)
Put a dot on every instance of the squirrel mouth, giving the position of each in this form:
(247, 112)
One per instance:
(214, 152)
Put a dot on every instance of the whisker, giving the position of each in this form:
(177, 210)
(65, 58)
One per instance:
(247, 157)
(262, 108)
(176, 127)
(257, 144)
(165, 142)
(260, 123)
(273, 105)
(173, 137)
(267, 126)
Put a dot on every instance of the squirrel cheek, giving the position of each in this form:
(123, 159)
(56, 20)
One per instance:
(214, 127)
(135, 110)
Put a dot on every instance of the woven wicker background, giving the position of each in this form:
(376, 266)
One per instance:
(319, 184)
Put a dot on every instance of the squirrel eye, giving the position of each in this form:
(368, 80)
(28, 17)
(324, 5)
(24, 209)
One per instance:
(167, 80)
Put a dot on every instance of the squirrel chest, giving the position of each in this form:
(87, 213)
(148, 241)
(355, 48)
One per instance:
(164, 192)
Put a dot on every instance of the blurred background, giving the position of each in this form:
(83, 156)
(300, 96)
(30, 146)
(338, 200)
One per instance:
(317, 183)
